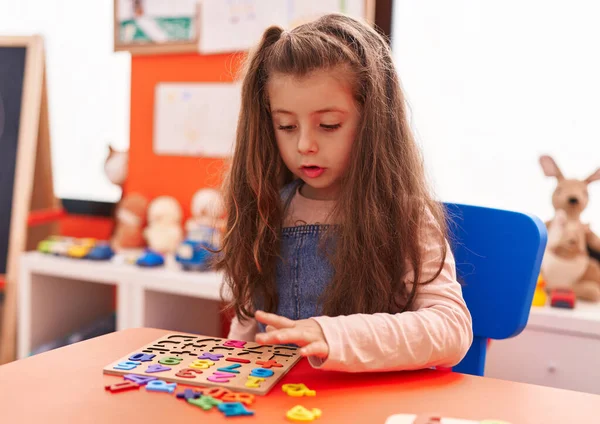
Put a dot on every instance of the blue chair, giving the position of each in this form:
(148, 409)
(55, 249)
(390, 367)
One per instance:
(498, 258)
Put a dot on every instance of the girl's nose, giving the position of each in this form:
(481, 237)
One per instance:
(307, 143)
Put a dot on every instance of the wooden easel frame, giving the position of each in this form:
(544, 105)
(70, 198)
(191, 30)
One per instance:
(33, 185)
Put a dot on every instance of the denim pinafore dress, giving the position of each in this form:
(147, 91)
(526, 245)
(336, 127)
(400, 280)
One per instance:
(303, 271)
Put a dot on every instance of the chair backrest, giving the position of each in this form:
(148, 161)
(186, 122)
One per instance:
(498, 258)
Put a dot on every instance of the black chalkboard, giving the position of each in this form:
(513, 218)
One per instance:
(12, 71)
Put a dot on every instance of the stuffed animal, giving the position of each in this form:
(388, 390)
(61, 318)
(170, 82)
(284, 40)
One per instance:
(116, 166)
(571, 196)
(206, 223)
(164, 232)
(566, 263)
(130, 218)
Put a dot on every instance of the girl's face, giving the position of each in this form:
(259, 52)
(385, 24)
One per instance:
(315, 120)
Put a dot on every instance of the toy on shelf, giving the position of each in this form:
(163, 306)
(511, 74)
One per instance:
(571, 196)
(566, 263)
(80, 248)
(164, 232)
(570, 260)
(207, 222)
(101, 252)
(47, 245)
(562, 298)
(150, 259)
(130, 218)
(194, 255)
(203, 231)
(76, 248)
(539, 296)
(116, 166)
(56, 245)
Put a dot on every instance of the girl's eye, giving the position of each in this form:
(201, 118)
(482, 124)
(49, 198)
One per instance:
(331, 127)
(286, 127)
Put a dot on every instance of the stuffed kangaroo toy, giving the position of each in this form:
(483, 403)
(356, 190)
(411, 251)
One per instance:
(571, 196)
(566, 263)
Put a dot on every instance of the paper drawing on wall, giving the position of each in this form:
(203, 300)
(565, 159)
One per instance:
(237, 25)
(156, 21)
(196, 119)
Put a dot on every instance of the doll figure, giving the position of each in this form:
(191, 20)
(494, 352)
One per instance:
(130, 218)
(207, 222)
(164, 232)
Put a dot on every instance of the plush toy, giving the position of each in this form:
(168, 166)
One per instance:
(130, 218)
(206, 223)
(571, 196)
(566, 263)
(116, 166)
(164, 232)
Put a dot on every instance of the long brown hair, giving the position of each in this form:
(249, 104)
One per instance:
(384, 200)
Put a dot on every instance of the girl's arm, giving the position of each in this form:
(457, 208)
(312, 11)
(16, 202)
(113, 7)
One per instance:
(437, 332)
(243, 331)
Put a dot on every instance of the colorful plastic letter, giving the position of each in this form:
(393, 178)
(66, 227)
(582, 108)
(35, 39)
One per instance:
(230, 368)
(234, 343)
(201, 364)
(157, 368)
(127, 365)
(188, 394)
(261, 372)
(188, 373)
(300, 413)
(142, 357)
(170, 360)
(220, 377)
(122, 386)
(298, 390)
(161, 386)
(205, 402)
(234, 409)
(254, 382)
(240, 360)
(216, 392)
(139, 379)
(245, 398)
(211, 356)
(269, 364)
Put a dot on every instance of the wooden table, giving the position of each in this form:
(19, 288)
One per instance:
(67, 385)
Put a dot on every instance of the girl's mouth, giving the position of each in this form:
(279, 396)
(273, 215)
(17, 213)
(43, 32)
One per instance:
(312, 171)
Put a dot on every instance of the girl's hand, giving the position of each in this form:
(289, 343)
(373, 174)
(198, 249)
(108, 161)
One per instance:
(306, 333)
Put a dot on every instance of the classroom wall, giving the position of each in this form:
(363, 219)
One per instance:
(492, 85)
(153, 175)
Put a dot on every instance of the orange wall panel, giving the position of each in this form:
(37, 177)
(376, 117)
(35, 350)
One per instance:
(178, 176)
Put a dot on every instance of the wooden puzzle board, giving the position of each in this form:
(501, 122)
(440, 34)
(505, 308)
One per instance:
(209, 362)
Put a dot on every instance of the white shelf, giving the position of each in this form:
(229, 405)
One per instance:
(57, 295)
(558, 348)
(584, 318)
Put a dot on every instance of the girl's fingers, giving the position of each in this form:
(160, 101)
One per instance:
(319, 349)
(286, 336)
(273, 320)
(270, 328)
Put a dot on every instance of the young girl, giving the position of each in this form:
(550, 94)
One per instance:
(333, 242)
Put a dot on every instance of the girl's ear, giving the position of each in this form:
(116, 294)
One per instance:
(594, 177)
(550, 168)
